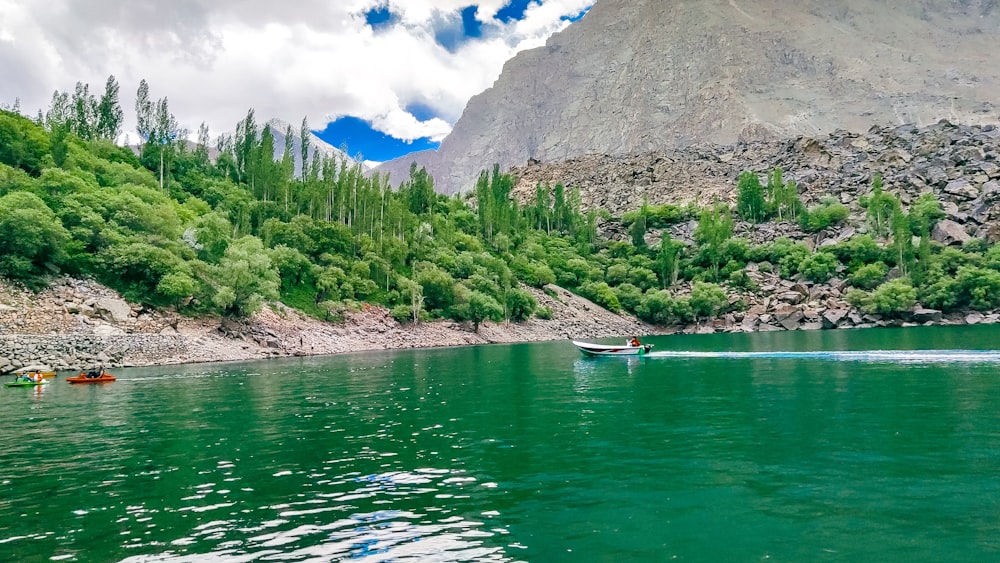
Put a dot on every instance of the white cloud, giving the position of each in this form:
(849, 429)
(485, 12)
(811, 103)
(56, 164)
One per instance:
(214, 59)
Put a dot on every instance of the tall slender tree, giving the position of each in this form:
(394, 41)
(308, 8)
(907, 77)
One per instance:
(144, 114)
(109, 111)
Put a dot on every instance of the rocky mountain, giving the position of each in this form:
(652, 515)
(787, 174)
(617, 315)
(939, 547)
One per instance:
(641, 75)
(959, 164)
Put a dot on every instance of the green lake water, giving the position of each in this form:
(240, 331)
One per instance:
(522, 453)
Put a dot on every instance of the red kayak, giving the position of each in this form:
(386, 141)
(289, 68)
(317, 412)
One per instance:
(92, 377)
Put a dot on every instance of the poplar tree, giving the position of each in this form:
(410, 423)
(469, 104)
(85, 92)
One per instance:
(109, 111)
(143, 111)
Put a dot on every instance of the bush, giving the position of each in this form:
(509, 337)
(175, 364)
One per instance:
(893, 297)
(869, 276)
(656, 307)
(819, 267)
(629, 296)
(707, 299)
(859, 249)
(520, 305)
(941, 294)
(602, 294)
(740, 280)
(403, 314)
(543, 313)
(979, 287)
(827, 213)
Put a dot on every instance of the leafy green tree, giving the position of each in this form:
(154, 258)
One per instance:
(144, 111)
(902, 241)
(293, 267)
(925, 212)
(668, 260)
(629, 296)
(639, 226)
(979, 287)
(109, 112)
(23, 144)
(483, 307)
(602, 294)
(245, 278)
(880, 206)
(715, 227)
(176, 287)
(30, 234)
(750, 203)
(437, 285)
(521, 304)
(784, 196)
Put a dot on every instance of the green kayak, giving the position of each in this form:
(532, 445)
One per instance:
(25, 381)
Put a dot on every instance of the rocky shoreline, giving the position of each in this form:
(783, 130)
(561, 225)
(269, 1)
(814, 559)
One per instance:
(78, 324)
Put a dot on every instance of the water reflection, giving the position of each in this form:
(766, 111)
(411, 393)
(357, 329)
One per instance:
(300, 530)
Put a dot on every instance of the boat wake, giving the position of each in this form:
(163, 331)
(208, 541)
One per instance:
(898, 356)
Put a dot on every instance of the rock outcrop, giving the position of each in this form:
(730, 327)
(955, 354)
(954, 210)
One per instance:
(959, 164)
(648, 75)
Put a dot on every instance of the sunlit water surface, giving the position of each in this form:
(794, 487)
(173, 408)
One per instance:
(878, 445)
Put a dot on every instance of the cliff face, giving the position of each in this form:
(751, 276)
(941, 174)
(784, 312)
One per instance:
(642, 75)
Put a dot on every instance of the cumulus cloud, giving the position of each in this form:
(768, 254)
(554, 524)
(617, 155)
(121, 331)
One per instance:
(214, 59)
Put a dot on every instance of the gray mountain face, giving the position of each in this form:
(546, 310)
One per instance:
(316, 146)
(642, 75)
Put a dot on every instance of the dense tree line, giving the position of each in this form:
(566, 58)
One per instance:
(172, 226)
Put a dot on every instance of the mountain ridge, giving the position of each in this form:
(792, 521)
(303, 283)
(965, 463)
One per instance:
(639, 75)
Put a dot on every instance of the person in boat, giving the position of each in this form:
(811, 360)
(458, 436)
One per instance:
(634, 342)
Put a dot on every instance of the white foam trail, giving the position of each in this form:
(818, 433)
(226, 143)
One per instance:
(902, 356)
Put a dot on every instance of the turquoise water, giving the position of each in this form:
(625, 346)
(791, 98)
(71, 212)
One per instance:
(844, 450)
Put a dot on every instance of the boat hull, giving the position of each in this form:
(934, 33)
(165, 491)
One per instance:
(25, 383)
(589, 349)
(82, 378)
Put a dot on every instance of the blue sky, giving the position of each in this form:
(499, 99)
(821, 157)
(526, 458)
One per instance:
(359, 137)
(383, 77)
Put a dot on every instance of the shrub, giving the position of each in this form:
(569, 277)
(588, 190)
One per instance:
(818, 267)
(403, 314)
(893, 297)
(707, 299)
(520, 305)
(980, 287)
(601, 294)
(869, 276)
(940, 294)
(629, 296)
(827, 213)
(543, 313)
(859, 249)
(656, 307)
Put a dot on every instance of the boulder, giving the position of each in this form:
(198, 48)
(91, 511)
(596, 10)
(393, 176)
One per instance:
(962, 189)
(974, 318)
(108, 330)
(833, 317)
(921, 315)
(113, 310)
(948, 232)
